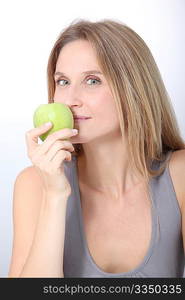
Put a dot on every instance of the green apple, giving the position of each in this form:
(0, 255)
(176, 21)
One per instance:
(57, 113)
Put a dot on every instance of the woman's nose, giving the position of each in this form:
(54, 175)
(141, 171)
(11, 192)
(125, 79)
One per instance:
(73, 96)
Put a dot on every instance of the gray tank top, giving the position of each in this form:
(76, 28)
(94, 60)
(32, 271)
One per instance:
(165, 254)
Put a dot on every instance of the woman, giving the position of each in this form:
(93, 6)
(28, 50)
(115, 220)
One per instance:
(108, 201)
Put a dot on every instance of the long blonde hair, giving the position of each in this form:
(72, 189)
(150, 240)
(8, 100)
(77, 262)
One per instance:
(144, 108)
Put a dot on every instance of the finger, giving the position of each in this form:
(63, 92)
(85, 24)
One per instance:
(59, 145)
(56, 164)
(33, 134)
(60, 157)
(62, 134)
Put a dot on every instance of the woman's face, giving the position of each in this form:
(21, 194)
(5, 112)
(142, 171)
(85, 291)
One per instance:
(80, 84)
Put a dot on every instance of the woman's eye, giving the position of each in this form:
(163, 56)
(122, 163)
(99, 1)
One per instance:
(93, 81)
(90, 81)
(61, 82)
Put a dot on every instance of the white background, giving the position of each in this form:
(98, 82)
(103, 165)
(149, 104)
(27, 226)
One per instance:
(28, 30)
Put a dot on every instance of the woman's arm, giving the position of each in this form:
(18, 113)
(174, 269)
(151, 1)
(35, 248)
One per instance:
(38, 228)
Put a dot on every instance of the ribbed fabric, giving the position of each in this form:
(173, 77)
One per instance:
(165, 255)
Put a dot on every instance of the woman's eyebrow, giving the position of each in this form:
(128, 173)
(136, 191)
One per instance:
(85, 73)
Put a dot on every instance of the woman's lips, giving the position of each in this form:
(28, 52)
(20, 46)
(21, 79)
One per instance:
(81, 119)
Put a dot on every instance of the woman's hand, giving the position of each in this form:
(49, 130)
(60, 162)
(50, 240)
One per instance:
(49, 156)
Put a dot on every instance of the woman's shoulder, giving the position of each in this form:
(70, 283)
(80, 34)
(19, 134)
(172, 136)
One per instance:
(28, 187)
(177, 172)
(29, 170)
(29, 174)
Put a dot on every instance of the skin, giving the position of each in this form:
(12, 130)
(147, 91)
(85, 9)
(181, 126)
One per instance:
(105, 161)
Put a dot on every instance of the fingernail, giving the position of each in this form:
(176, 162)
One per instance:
(74, 131)
(48, 124)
